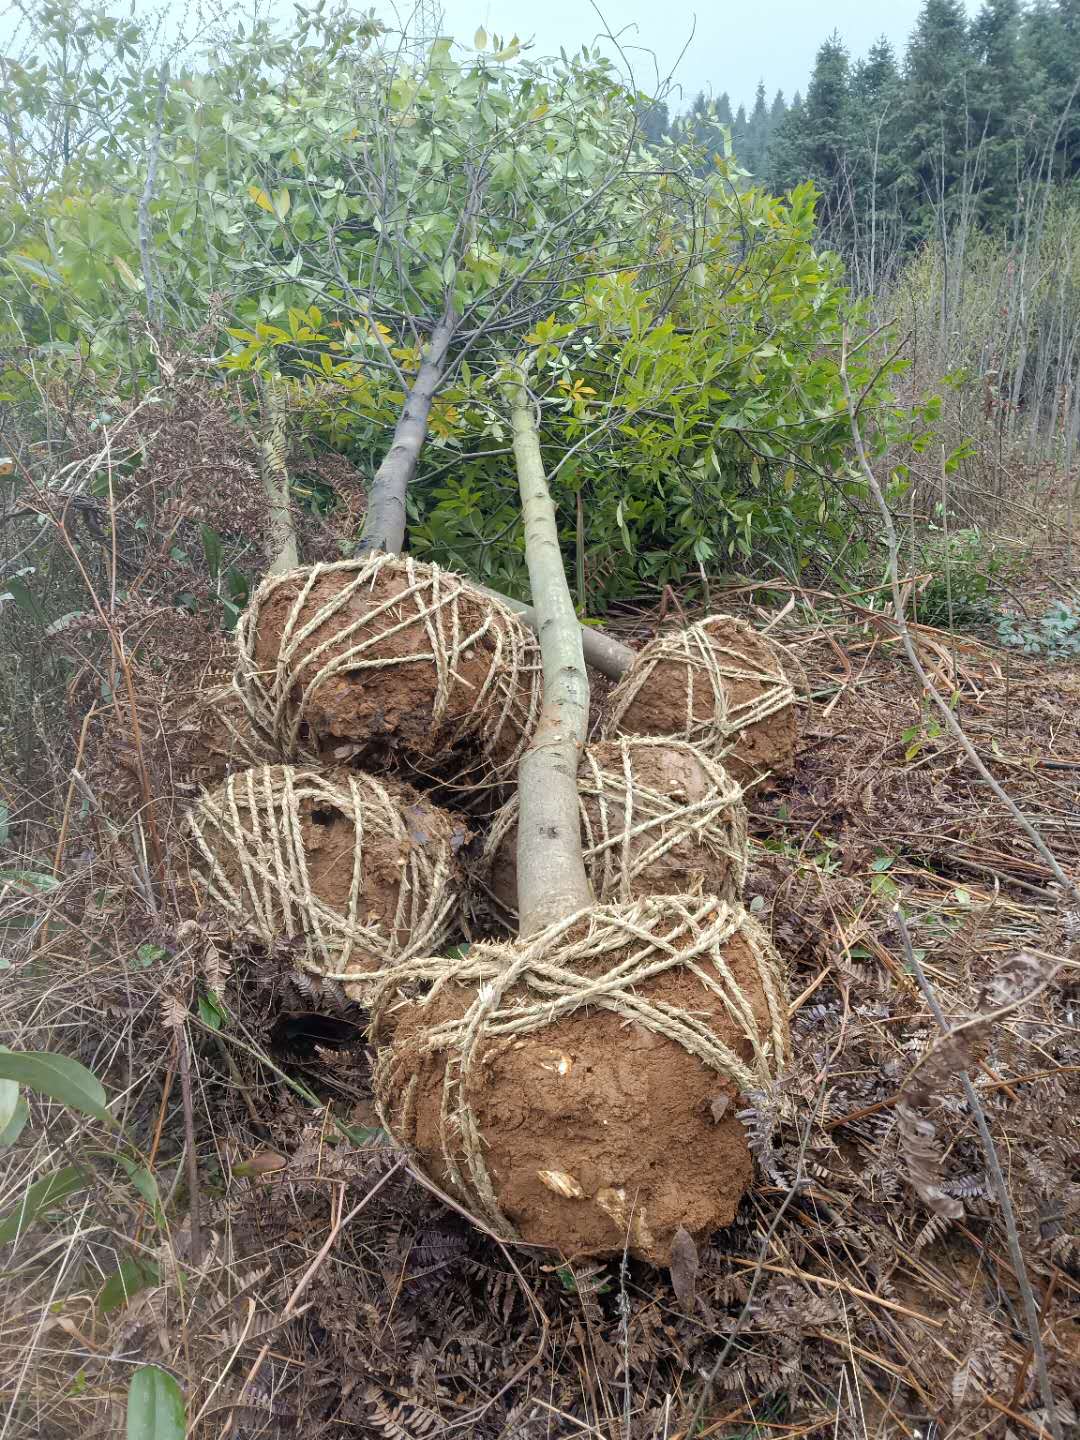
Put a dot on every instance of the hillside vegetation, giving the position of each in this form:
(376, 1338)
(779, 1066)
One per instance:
(448, 504)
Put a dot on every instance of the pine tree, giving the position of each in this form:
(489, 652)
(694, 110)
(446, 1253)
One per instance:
(1000, 96)
(757, 134)
(876, 96)
(936, 147)
(1050, 46)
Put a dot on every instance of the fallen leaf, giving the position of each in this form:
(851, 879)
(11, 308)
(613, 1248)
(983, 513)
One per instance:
(684, 1267)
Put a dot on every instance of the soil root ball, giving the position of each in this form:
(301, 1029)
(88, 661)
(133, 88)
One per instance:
(578, 1090)
(658, 817)
(360, 872)
(385, 661)
(721, 685)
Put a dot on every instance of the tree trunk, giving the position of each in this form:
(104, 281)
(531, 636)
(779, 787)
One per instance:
(551, 872)
(602, 651)
(275, 476)
(384, 527)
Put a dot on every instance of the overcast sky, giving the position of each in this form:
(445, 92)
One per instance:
(731, 43)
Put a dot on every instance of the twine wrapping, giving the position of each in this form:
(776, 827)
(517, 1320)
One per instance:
(601, 957)
(224, 738)
(321, 641)
(711, 666)
(628, 825)
(251, 858)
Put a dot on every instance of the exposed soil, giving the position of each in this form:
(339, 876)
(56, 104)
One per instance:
(679, 699)
(628, 830)
(642, 1133)
(390, 710)
(352, 918)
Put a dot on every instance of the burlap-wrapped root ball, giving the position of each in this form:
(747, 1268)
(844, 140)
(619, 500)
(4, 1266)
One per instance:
(578, 1090)
(386, 662)
(723, 686)
(362, 872)
(658, 817)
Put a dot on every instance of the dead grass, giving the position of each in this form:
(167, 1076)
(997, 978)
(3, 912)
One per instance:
(872, 1314)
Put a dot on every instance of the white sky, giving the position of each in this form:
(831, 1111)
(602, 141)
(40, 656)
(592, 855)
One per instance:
(734, 41)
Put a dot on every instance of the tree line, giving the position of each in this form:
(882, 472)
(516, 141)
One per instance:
(960, 126)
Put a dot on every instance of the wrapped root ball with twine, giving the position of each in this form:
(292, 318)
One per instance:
(385, 662)
(723, 686)
(578, 1090)
(658, 817)
(361, 872)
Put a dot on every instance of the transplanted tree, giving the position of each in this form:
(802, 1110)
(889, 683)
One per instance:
(451, 207)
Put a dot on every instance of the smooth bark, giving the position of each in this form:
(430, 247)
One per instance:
(602, 651)
(552, 882)
(384, 526)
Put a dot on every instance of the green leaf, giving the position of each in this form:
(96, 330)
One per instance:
(155, 1408)
(5, 824)
(211, 541)
(122, 1284)
(9, 1100)
(28, 879)
(58, 1076)
(211, 1013)
(19, 591)
(38, 1197)
(15, 1125)
(145, 1184)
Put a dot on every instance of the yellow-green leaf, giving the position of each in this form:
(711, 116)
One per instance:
(282, 203)
(480, 39)
(261, 198)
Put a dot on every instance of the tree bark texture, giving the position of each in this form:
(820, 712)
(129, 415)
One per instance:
(384, 526)
(552, 882)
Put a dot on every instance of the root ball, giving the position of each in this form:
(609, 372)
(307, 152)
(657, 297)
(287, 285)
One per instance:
(658, 817)
(361, 873)
(385, 662)
(721, 685)
(578, 1090)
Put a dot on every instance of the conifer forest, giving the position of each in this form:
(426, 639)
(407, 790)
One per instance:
(540, 763)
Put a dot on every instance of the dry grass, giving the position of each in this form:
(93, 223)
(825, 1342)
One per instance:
(875, 1312)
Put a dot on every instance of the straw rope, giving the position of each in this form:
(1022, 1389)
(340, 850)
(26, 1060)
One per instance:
(251, 859)
(711, 665)
(319, 641)
(224, 730)
(603, 958)
(628, 826)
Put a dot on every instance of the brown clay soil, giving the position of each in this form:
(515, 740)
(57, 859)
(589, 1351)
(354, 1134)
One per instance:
(328, 835)
(380, 719)
(645, 1131)
(703, 861)
(766, 748)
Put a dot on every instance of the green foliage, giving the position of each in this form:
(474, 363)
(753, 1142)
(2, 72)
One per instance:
(1056, 634)
(58, 1076)
(328, 204)
(966, 571)
(38, 1198)
(155, 1406)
